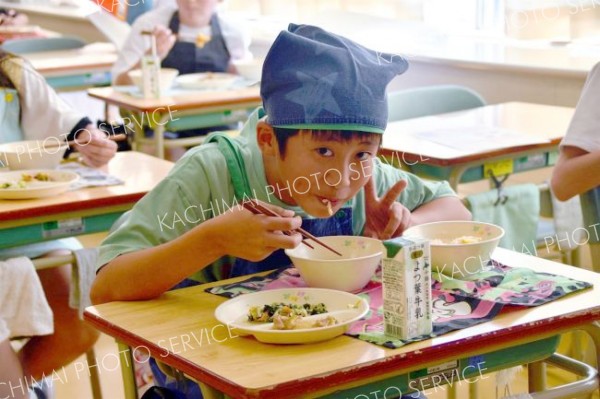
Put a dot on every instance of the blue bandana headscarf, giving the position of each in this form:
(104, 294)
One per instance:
(313, 79)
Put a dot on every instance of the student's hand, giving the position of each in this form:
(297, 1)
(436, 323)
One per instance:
(94, 146)
(385, 217)
(165, 40)
(254, 237)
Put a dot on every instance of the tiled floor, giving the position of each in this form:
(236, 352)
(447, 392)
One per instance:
(76, 383)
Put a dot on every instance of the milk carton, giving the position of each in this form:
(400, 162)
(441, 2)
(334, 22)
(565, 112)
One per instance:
(150, 65)
(407, 288)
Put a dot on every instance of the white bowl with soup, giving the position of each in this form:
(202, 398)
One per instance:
(459, 248)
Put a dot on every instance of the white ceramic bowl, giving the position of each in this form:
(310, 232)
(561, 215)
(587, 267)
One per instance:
(460, 259)
(166, 79)
(32, 154)
(250, 68)
(322, 268)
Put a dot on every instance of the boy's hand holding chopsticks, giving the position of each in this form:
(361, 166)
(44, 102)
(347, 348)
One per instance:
(258, 208)
(247, 235)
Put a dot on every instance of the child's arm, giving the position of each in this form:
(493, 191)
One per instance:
(387, 218)
(574, 172)
(147, 273)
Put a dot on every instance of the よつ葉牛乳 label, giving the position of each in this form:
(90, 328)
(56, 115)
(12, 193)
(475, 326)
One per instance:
(406, 281)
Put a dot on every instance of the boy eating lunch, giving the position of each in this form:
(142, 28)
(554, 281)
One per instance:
(309, 154)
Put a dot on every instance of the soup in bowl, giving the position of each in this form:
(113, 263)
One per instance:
(459, 248)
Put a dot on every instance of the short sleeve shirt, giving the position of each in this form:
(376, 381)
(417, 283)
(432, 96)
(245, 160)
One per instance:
(584, 130)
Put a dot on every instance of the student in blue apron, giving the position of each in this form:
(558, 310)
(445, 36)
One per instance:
(31, 110)
(310, 155)
(191, 37)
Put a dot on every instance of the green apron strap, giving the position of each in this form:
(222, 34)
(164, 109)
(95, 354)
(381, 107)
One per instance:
(235, 163)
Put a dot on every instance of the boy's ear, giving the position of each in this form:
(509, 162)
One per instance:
(265, 137)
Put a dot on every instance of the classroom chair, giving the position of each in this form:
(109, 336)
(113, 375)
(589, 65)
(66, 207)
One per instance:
(431, 100)
(590, 207)
(34, 45)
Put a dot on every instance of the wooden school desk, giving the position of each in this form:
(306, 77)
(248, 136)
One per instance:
(185, 110)
(343, 367)
(83, 211)
(85, 67)
(416, 143)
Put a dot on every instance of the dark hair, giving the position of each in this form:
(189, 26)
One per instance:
(5, 80)
(283, 134)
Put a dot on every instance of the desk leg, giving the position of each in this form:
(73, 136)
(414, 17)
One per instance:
(209, 392)
(451, 391)
(159, 138)
(128, 371)
(593, 330)
(138, 129)
(455, 176)
(537, 376)
(473, 390)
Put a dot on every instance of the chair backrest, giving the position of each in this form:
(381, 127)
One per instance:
(431, 100)
(590, 207)
(34, 45)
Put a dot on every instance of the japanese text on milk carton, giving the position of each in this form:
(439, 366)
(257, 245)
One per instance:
(407, 288)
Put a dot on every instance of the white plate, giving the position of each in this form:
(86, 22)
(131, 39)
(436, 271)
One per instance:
(345, 307)
(206, 80)
(60, 182)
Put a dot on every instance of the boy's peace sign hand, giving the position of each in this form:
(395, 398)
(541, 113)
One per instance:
(386, 218)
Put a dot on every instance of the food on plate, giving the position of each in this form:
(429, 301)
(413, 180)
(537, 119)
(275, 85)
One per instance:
(458, 240)
(295, 322)
(286, 316)
(266, 313)
(26, 178)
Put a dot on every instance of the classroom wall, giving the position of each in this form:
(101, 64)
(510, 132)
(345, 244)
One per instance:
(495, 84)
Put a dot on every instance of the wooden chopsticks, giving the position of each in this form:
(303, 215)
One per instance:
(256, 208)
(115, 137)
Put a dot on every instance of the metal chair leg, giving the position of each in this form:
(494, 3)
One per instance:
(94, 377)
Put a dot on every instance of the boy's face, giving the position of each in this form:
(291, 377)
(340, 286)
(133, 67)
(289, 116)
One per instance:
(317, 173)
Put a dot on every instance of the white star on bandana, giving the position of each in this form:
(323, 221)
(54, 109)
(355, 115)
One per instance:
(318, 98)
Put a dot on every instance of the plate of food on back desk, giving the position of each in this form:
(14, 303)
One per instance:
(27, 184)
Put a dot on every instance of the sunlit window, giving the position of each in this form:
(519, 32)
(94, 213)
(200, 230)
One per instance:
(516, 19)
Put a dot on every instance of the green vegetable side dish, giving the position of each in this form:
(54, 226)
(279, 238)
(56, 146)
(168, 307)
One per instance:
(266, 313)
